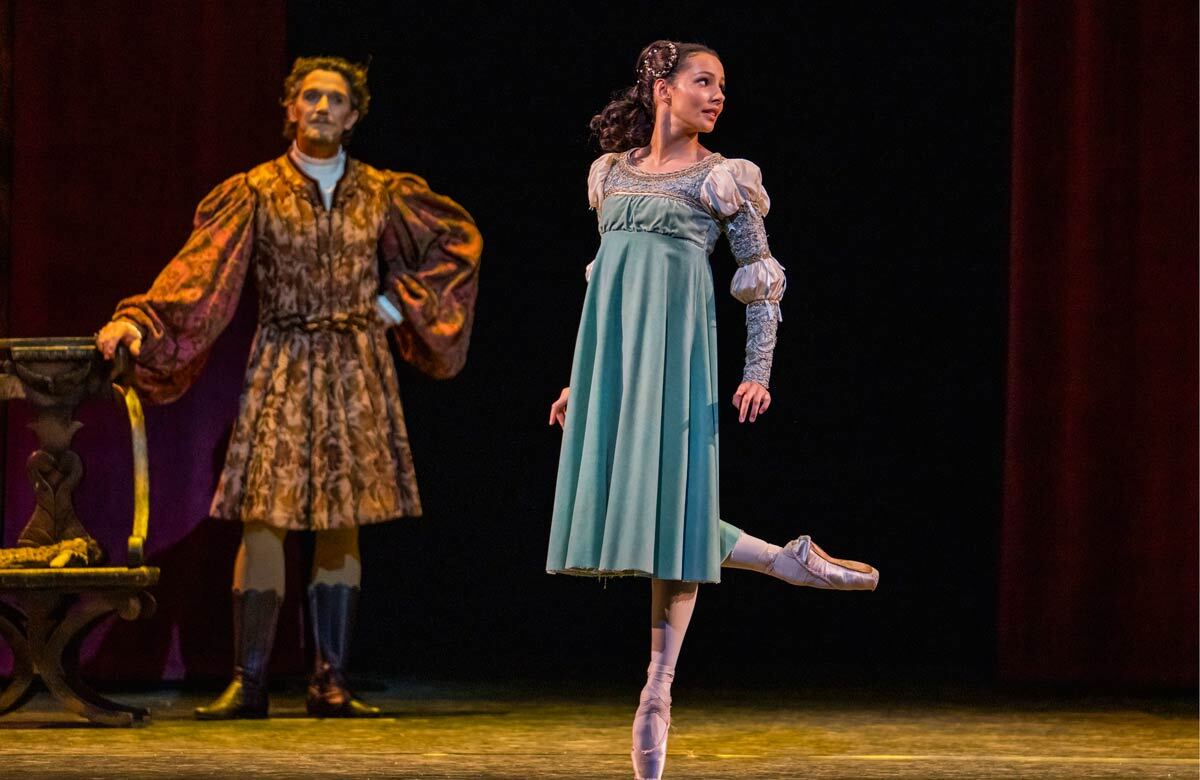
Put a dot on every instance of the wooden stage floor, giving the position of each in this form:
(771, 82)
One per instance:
(460, 731)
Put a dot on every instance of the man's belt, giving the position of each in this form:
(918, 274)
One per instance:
(341, 322)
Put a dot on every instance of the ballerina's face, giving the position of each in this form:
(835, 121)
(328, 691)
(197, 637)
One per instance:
(696, 95)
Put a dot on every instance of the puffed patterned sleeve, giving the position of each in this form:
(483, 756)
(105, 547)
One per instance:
(195, 296)
(430, 249)
(734, 193)
(597, 176)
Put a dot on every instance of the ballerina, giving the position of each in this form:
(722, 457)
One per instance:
(637, 476)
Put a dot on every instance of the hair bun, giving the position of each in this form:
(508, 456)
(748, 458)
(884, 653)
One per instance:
(666, 63)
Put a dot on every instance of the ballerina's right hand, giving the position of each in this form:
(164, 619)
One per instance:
(558, 409)
(119, 332)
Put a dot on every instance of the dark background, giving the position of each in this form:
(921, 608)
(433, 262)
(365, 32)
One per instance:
(884, 136)
(884, 146)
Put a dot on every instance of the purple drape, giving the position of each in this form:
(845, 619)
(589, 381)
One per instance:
(126, 114)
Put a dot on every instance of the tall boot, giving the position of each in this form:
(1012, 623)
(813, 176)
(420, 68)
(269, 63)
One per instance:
(331, 611)
(255, 615)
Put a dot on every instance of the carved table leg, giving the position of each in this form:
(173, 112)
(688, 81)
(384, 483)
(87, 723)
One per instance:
(54, 479)
(129, 606)
(19, 689)
(39, 531)
(51, 636)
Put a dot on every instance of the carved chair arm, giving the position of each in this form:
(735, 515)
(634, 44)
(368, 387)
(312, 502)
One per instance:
(123, 369)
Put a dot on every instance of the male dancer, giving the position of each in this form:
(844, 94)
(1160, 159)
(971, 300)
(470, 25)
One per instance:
(320, 442)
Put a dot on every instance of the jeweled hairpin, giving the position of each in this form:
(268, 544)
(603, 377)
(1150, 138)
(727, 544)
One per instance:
(668, 66)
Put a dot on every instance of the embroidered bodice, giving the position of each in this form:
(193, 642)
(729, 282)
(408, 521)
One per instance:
(723, 196)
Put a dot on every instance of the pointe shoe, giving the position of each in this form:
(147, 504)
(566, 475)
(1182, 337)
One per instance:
(648, 763)
(802, 562)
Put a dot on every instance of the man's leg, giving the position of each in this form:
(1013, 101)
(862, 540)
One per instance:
(332, 603)
(258, 586)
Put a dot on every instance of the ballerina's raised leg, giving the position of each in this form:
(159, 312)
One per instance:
(800, 562)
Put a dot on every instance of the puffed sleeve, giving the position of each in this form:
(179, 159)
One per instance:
(734, 193)
(430, 249)
(597, 176)
(195, 296)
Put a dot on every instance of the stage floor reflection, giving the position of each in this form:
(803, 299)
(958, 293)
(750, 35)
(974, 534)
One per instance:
(490, 731)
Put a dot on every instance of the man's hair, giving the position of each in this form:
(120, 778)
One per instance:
(356, 79)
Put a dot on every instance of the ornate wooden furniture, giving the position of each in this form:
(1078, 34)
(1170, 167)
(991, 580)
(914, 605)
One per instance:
(52, 592)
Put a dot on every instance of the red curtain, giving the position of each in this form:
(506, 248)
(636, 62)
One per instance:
(125, 115)
(1099, 544)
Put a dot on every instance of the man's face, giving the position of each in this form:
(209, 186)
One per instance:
(322, 112)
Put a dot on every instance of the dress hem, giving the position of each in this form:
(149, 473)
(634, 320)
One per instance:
(358, 523)
(606, 573)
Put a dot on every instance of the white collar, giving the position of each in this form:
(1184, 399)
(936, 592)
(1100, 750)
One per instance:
(318, 162)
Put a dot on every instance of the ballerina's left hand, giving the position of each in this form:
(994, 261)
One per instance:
(752, 398)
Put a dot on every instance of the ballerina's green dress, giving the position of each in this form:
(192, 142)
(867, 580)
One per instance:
(637, 490)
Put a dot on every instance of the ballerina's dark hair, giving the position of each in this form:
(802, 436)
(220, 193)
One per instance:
(628, 119)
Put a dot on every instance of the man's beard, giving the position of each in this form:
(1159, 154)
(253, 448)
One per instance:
(322, 133)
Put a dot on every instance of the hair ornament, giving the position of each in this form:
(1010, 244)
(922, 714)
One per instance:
(668, 64)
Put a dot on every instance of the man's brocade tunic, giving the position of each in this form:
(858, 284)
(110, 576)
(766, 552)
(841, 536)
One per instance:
(320, 440)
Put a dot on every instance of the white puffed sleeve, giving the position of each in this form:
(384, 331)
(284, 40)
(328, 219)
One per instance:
(597, 175)
(734, 193)
(732, 183)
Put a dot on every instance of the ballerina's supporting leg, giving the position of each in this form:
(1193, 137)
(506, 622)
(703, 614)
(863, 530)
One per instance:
(671, 606)
(800, 562)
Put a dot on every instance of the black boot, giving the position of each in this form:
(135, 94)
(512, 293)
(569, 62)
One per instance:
(255, 613)
(331, 612)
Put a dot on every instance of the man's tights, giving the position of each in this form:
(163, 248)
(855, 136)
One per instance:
(260, 560)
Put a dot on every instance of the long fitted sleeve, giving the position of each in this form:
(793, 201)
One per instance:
(430, 249)
(196, 295)
(733, 191)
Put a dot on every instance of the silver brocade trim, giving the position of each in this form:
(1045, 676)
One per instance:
(682, 185)
(747, 235)
(748, 242)
(761, 327)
